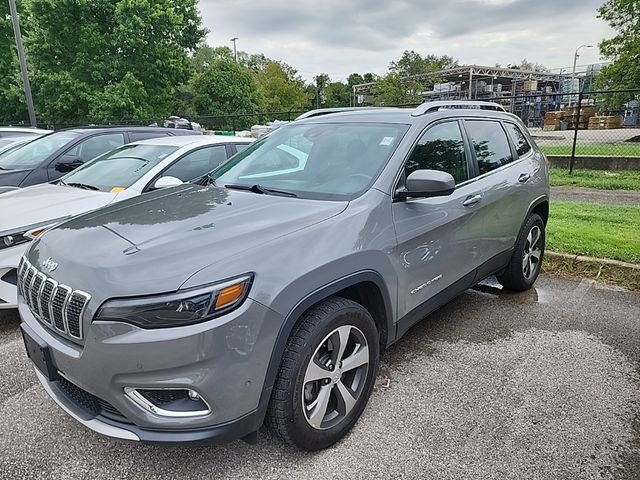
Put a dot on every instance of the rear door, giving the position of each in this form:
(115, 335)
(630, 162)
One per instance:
(503, 178)
(438, 238)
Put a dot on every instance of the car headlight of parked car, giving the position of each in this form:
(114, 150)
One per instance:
(23, 235)
(180, 308)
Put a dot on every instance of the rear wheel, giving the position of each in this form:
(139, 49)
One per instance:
(326, 376)
(526, 260)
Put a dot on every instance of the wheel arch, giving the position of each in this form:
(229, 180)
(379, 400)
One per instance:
(366, 287)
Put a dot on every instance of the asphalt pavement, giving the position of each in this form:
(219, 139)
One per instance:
(543, 384)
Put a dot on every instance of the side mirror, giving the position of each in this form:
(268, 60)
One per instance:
(428, 183)
(68, 163)
(164, 182)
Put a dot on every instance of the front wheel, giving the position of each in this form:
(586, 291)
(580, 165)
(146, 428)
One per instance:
(327, 375)
(526, 260)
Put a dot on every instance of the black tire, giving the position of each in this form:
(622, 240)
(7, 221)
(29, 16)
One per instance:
(287, 414)
(515, 277)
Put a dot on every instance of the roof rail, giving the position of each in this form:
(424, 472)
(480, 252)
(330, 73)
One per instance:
(326, 111)
(429, 107)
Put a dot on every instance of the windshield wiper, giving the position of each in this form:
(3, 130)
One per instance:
(84, 186)
(256, 188)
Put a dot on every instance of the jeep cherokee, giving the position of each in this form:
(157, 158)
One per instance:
(199, 312)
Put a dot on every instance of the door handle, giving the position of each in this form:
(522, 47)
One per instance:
(524, 177)
(472, 200)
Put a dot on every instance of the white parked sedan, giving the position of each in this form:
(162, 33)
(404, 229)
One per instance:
(123, 173)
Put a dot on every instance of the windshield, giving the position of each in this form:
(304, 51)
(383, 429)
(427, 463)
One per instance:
(119, 169)
(34, 153)
(322, 161)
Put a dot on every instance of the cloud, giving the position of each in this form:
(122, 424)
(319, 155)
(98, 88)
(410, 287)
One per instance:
(340, 37)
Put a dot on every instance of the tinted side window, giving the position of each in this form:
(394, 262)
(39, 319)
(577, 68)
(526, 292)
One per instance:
(241, 146)
(440, 148)
(518, 139)
(96, 146)
(196, 164)
(138, 136)
(490, 144)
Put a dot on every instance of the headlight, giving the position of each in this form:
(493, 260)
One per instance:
(179, 308)
(13, 239)
(16, 238)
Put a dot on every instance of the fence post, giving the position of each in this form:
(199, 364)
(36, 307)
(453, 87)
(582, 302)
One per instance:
(575, 133)
(233, 124)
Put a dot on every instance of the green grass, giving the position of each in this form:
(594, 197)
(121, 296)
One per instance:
(602, 179)
(605, 231)
(596, 150)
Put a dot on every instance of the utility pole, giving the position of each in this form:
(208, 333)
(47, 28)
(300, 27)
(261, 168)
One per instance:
(575, 61)
(235, 50)
(23, 62)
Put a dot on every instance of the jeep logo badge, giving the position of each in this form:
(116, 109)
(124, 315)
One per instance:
(50, 265)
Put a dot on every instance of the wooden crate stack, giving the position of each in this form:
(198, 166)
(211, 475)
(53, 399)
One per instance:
(605, 123)
(571, 116)
(552, 120)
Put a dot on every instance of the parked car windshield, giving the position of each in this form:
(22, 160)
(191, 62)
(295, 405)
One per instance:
(119, 169)
(321, 161)
(35, 152)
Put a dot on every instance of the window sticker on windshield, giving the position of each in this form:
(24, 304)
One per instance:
(117, 189)
(386, 141)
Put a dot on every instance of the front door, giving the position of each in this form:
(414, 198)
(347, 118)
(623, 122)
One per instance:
(437, 238)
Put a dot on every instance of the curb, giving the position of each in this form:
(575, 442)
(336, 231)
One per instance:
(600, 261)
(624, 274)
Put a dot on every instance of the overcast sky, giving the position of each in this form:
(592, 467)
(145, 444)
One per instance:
(339, 37)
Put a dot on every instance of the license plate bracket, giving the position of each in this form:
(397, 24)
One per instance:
(38, 352)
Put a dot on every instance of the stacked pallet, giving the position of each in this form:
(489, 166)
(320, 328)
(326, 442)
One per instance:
(571, 116)
(605, 123)
(552, 121)
(530, 86)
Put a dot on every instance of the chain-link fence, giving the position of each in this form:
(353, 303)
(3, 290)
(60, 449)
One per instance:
(581, 128)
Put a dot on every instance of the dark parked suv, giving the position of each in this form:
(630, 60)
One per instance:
(197, 312)
(52, 156)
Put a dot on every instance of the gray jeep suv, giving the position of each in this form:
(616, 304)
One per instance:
(268, 292)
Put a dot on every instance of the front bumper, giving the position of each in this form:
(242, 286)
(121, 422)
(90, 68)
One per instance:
(9, 259)
(224, 360)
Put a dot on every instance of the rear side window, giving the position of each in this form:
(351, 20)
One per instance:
(440, 148)
(518, 139)
(490, 144)
(95, 146)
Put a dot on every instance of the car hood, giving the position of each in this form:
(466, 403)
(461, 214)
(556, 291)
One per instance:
(13, 178)
(155, 242)
(37, 205)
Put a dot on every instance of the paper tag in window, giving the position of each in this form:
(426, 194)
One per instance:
(117, 189)
(386, 141)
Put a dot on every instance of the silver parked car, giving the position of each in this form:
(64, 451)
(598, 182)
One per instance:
(123, 173)
(198, 312)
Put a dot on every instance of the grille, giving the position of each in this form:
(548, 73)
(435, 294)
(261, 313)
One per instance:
(89, 402)
(58, 306)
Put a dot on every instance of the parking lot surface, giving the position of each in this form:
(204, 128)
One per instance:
(541, 385)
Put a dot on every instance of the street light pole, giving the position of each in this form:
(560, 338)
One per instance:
(575, 61)
(235, 51)
(23, 63)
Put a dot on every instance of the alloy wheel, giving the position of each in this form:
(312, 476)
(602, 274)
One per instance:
(532, 253)
(335, 377)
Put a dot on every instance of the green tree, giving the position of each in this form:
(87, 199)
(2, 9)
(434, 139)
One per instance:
(86, 51)
(623, 49)
(12, 104)
(337, 94)
(528, 66)
(281, 88)
(412, 63)
(225, 87)
(206, 55)
(393, 90)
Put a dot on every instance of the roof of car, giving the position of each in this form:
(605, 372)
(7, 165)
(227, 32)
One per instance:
(92, 129)
(26, 130)
(427, 110)
(184, 140)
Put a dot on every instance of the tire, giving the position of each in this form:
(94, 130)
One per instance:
(295, 411)
(524, 266)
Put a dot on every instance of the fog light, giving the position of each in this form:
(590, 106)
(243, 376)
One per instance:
(169, 402)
